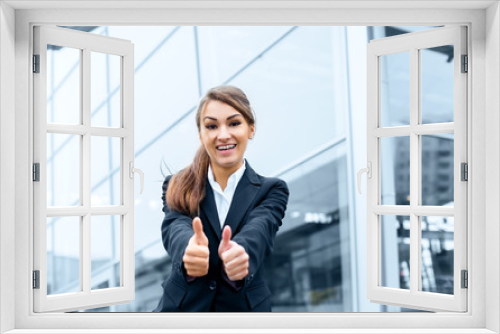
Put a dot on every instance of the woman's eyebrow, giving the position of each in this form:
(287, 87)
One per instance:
(215, 119)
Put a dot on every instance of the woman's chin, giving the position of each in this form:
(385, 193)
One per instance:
(228, 163)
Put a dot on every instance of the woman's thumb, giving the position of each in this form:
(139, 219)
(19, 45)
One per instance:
(226, 236)
(198, 231)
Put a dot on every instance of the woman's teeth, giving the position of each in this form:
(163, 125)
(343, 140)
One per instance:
(227, 147)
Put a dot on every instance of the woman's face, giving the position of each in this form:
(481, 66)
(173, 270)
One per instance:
(224, 133)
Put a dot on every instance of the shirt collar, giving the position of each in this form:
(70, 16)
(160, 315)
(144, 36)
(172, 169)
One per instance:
(232, 181)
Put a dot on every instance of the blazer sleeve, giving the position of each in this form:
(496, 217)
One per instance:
(257, 235)
(176, 230)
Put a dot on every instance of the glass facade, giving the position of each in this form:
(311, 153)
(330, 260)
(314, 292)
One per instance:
(296, 79)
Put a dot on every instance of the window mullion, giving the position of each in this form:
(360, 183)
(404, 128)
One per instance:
(414, 169)
(85, 273)
(127, 197)
(85, 97)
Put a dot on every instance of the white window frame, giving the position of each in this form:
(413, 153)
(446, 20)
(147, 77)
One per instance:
(484, 211)
(412, 43)
(86, 298)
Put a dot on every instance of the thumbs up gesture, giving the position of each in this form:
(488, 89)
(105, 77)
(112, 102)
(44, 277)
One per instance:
(197, 254)
(234, 257)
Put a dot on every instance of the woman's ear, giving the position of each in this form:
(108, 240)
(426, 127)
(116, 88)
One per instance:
(252, 132)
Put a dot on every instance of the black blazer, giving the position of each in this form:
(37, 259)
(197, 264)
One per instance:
(255, 214)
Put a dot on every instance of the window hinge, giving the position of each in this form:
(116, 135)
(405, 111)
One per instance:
(36, 279)
(465, 279)
(464, 171)
(36, 172)
(465, 64)
(36, 63)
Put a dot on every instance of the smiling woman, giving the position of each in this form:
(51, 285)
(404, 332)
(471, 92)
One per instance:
(218, 233)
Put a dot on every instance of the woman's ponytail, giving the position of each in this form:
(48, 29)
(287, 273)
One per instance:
(186, 189)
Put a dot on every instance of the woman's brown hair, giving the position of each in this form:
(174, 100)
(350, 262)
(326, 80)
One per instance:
(186, 189)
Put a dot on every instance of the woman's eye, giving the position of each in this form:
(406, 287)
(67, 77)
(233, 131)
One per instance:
(235, 123)
(211, 126)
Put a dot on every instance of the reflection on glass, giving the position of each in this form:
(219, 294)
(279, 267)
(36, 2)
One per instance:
(306, 270)
(63, 85)
(437, 254)
(105, 89)
(437, 79)
(105, 170)
(395, 170)
(105, 251)
(63, 255)
(63, 169)
(395, 89)
(437, 169)
(395, 255)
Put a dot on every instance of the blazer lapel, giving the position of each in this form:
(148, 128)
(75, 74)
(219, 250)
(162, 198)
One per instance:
(244, 195)
(209, 207)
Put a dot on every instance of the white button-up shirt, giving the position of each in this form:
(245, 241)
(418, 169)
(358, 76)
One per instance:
(224, 197)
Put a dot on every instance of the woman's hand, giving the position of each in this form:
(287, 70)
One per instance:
(197, 254)
(234, 257)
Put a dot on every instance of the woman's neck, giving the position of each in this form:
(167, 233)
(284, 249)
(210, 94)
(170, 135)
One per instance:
(221, 175)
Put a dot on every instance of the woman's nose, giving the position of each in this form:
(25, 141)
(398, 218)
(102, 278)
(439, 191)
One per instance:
(224, 133)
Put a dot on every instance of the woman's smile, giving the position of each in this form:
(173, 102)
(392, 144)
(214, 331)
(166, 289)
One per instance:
(226, 149)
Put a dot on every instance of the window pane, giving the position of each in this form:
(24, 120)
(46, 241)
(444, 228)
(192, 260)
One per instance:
(437, 84)
(105, 170)
(395, 252)
(63, 255)
(63, 169)
(437, 254)
(63, 85)
(437, 169)
(105, 89)
(395, 89)
(395, 170)
(105, 251)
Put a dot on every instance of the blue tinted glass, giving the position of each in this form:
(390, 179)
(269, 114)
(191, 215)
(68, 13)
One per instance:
(63, 85)
(437, 79)
(395, 170)
(105, 251)
(105, 89)
(105, 155)
(63, 169)
(63, 255)
(395, 89)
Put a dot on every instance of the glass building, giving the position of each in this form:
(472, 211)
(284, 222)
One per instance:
(299, 82)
